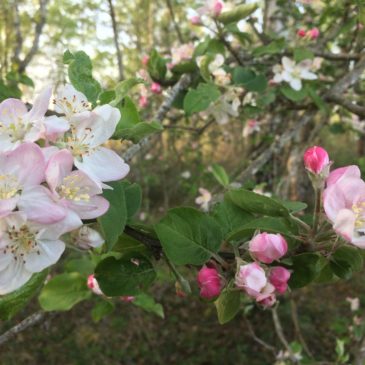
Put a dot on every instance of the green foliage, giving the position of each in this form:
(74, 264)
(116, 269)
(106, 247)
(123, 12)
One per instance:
(227, 305)
(307, 267)
(292, 94)
(249, 79)
(124, 87)
(64, 291)
(237, 13)
(301, 54)
(101, 309)
(80, 74)
(256, 203)
(345, 261)
(130, 125)
(156, 66)
(220, 174)
(12, 303)
(147, 303)
(125, 276)
(274, 47)
(188, 236)
(199, 99)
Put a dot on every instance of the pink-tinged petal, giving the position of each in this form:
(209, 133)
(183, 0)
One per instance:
(58, 167)
(55, 127)
(96, 207)
(344, 224)
(39, 206)
(40, 105)
(11, 110)
(8, 205)
(26, 162)
(13, 277)
(103, 165)
(342, 173)
(359, 241)
(48, 152)
(83, 181)
(55, 230)
(48, 254)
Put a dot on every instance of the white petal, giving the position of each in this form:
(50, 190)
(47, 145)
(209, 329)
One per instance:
(13, 277)
(295, 84)
(49, 253)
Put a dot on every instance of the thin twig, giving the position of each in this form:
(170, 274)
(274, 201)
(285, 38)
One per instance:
(23, 325)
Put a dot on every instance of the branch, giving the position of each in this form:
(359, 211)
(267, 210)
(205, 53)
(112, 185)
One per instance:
(116, 40)
(349, 105)
(176, 25)
(23, 325)
(280, 333)
(182, 84)
(38, 31)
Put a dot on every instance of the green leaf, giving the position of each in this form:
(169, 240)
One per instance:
(124, 87)
(188, 236)
(156, 66)
(294, 207)
(264, 224)
(292, 94)
(127, 245)
(106, 97)
(12, 303)
(227, 305)
(272, 48)
(139, 131)
(345, 261)
(184, 67)
(230, 216)
(306, 268)
(112, 223)
(209, 46)
(199, 99)
(124, 276)
(148, 303)
(249, 79)
(68, 57)
(256, 203)
(129, 114)
(62, 292)
(101, 310)
(133, 197)
(80, 74)
(83, 265)
(301, 54)
(320, 103)
(220, 174)
(26, 80)
(237, 13)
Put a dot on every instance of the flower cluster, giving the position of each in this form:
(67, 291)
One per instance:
(258, 283)
(52, 172)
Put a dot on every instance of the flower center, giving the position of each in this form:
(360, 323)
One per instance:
(359, 211)
(15, 131)
(71, 190)
(9, 186)
(71, 105)
(22, 241)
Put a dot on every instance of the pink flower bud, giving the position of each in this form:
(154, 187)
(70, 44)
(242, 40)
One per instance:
(127, 298)
(145, 59)
(267, 247)
(251, 278)
(143, 101)
(267, 301)
(93, 285)
(156, 88)
(313, 33)
(209, 282)
(301, 33)
(316, 159)
(217, 8)
(196, 20)
(279, 277)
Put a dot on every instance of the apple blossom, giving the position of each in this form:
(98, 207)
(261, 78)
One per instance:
(316, 160)
(27, 248)
(268, 247)
(21, 173)
(250, 127)
(313, 33)
(86, 238)
(279, 277)
(252, 279)
(181, 53)
(74, 190)
(301, 33)
(17, 125)
(211, 8)
(293, 73)
(209, 282)
(343, 173)
(204, 199)
(344, 205)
